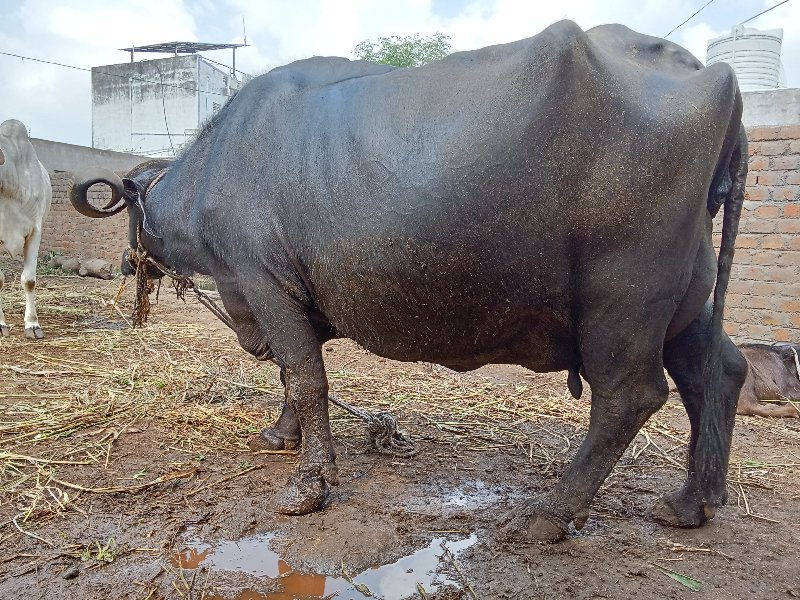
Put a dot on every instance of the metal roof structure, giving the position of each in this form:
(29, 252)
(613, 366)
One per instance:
(185, 48)
(181, 47)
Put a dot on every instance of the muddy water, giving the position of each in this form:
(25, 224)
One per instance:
(253, 556)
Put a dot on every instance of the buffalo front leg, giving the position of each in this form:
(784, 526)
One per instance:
(711, 419)
(307, 390)
(298, 352)
(625, 373)
(286, 433)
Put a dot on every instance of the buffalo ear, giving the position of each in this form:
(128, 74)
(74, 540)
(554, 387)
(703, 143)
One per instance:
(132, 191)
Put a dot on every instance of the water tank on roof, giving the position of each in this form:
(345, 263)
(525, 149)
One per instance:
(754, 55)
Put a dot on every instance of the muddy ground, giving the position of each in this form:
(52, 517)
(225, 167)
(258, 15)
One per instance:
(125, 474)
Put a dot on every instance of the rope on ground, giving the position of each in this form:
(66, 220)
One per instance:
(382, 433)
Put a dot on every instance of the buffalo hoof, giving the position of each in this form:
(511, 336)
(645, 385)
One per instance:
(305, 494)
(680, 509)
(34, 333)
(272, 439)
(532, 523)
(4, 331)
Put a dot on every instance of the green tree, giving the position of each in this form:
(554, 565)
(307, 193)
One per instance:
(409, 51)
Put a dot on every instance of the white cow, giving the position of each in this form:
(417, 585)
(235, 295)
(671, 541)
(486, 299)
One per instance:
(25, 196)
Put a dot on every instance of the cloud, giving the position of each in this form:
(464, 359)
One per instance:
(55, 101)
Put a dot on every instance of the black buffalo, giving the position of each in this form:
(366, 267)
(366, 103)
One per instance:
(546, 203)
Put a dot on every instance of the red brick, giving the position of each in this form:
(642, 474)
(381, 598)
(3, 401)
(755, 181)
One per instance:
(779, 274)
(793, 178)
(744, 241)
(768, 211)
(773, 241)
(788, 259)
(757, 163)
(756, 193)
(786, 132)
(788, 192)
(790, 305)
(770, 178)
(795, 320)
(762, 226)
(732, 329)
(770, 321)
(766, 257)
(773, 148)
(784, 163)
(788, 226)
(791, 210)
(781, 335)
(756, 302)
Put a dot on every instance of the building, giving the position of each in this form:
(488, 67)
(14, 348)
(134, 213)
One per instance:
(154, 107)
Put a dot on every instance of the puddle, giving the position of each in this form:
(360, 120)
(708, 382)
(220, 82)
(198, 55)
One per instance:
(252, 555)
(475, 494)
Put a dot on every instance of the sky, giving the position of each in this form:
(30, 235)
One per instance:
(55, 101)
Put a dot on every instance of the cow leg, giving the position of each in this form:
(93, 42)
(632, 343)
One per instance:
(28, 278)
(285, 434)
(3, 327)
(711, 426)
(624, 369)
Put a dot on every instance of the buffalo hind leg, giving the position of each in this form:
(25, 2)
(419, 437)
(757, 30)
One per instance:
(705, 489)
(285, 434)
(625, 372)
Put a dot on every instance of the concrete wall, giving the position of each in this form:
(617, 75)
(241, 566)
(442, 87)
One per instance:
(56, 156)
(771, 107)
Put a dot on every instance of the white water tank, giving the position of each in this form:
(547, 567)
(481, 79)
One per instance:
(754, 55)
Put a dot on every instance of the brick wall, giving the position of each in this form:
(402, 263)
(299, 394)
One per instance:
(764, 295)
(70, 233)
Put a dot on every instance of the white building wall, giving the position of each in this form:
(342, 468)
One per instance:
(133, 112)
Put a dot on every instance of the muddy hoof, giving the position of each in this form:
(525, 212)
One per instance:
(272, 439)
(34, 333)
(679, 509)
(4, 331)
(304, 494)
(531, 523)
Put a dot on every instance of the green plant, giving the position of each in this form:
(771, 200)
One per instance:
(408, 51)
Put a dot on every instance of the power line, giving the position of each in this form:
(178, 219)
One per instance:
(140, 79)
(764, 11)
(690, 18)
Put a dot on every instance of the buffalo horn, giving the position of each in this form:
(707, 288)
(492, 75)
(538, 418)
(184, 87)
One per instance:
(80, 189)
